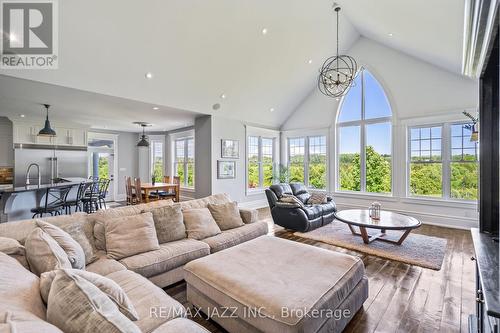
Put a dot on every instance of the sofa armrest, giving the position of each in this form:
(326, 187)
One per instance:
(249, 215)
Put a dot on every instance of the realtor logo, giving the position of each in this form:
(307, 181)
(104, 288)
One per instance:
(29, 34)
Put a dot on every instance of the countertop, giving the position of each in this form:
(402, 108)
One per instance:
(66, 182)
(486, 251)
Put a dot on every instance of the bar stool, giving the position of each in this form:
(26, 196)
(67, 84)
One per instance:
(53, 201)
(90, 199)
(103, 191)
(76, 202)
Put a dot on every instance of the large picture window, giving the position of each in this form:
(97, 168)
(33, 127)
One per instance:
(307, 161)
(443, 162)
(184, 161)
(364, 138)
(261, 157)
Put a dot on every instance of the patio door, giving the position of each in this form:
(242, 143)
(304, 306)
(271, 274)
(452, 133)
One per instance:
(102, 161)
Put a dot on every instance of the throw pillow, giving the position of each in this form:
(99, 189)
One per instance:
(130, 235)
(318, 198)
(74, 251)
(226, 215)
(169, 223)
(200, 224)
(291, 199)
(44, 253)
(107, 286)
(13, 248)
(77, 306)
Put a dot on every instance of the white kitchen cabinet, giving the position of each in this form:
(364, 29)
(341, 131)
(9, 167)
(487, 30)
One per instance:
(25, 133)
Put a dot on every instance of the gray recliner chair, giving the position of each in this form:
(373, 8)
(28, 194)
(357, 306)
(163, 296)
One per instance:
(295, 217)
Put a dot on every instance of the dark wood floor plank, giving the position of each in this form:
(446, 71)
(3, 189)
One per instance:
(402, 298)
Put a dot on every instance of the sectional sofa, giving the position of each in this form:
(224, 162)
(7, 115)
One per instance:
(141, 276)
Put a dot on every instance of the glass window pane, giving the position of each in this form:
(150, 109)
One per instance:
(378, 158)
(464, 178)
(436, 144)
(436, 132)
(253, 174)
(415, 145)
(456, 142)
(157, 160)
(351, 105)
(425, 133)
(349, 159)
(179, 171)
(456, 130)
(317, 162)
(376, 103)
(296, 159)
(415, 133)
(425, 144)
(426, 179)
(190, 174)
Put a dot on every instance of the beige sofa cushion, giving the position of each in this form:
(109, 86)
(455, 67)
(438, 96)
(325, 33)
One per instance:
(130, 235)
(14, 249)
(82, 233)
(44, 253)
(232, 237)
(102, 215)
(107, 286)
(104, 265)
(249, 215)
(180, 325)
(74, 251)
(169, 223)
(77, 306)
(200, 223)
(24, 322)
(19, 288)
(203, 202)
(226, 215)
(153, 305)
(169, 256)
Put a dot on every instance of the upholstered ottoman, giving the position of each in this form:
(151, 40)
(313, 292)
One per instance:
(275, 285)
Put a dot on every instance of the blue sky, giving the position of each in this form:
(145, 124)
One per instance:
(376, 106)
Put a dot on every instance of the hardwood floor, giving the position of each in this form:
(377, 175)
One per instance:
(402, 298)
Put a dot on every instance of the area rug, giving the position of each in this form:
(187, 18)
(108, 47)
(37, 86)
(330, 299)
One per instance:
(418, 250)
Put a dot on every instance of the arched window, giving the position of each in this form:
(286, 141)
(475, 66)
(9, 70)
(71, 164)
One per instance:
(364, 144)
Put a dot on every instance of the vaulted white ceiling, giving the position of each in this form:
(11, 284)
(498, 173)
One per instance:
(429, 30)
(198, 50)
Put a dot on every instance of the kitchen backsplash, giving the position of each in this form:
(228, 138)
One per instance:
(6, 175)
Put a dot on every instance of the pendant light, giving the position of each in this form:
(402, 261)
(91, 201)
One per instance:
(143, 142)
(338, 72)
(47, 130)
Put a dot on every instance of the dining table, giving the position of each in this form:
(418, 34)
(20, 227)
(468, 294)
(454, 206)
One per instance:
(148, 188)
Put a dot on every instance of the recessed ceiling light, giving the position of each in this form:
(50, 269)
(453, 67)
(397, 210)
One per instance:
(149, 75)
(310, 61)
(216, 106)
(156, 108)
(390, 34)
(338, 99)
(271, 109)
(12, 38)
(264, 31)
(22, 115)
(223, 96)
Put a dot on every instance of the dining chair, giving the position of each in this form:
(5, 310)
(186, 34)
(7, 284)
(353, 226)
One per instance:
(141, 197)
(170, 194)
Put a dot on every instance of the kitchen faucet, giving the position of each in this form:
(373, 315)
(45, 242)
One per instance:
(28, 174)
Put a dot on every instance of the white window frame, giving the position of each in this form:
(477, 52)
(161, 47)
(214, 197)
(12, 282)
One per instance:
(185, 163)
(446, 160)
(152, 156)
(362, 123)
(307, 157)
(259, 160)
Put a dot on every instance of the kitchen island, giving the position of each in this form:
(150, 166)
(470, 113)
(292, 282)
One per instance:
(16, 203)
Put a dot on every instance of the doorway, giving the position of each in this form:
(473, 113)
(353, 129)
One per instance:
(102, 159)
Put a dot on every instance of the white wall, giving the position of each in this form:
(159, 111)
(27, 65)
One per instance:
(419, 93)
(6, 143)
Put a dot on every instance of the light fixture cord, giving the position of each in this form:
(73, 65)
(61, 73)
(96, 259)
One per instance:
(338, 76)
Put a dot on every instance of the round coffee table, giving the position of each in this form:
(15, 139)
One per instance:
(388, 221)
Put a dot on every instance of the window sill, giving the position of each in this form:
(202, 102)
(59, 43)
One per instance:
(255, 191)
(364, 195)
(440, 202)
